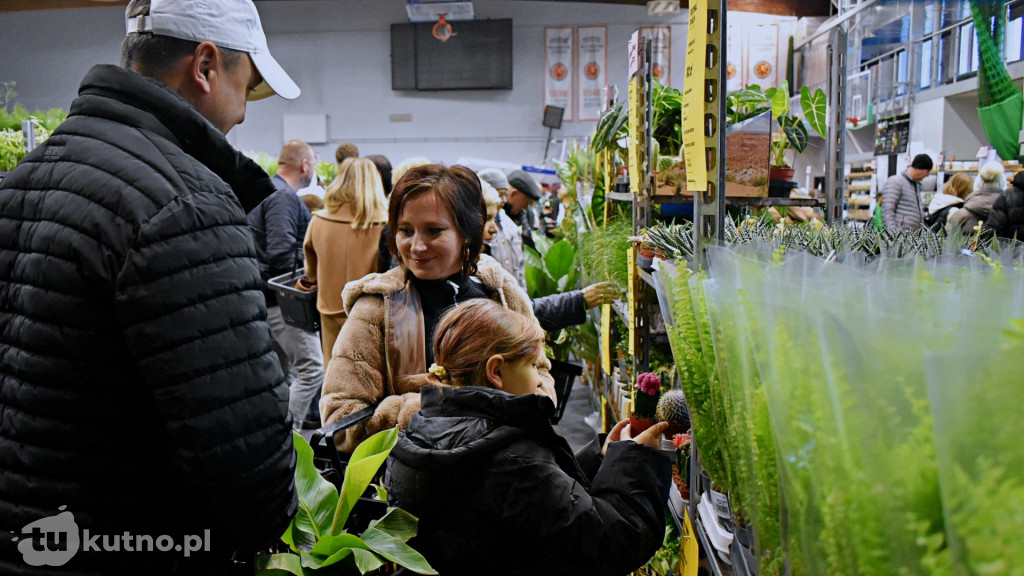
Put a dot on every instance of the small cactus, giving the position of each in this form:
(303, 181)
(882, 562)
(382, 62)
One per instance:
(672, 408)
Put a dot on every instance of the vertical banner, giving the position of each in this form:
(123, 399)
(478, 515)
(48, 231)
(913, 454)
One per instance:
(592, 58)
(661, 51)
(763, 55)
(735, 71)
(693, 98)
(558, 69)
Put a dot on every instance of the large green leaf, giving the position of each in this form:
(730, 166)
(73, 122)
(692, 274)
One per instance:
(532, 258)
(815, 107)
(780, 100)
(560, 259)
(332, 549)
(396, 550)
(279, 565)
(541, 242)
(366, 561)
(795, 131)
(533, 275)
(398, 523)
(362, 466)
(317, 497)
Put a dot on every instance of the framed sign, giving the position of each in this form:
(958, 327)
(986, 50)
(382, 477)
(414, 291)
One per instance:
(592, 56)
(661, 51)
(558, 68)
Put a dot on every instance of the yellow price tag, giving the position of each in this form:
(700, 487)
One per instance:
(606, 338)
(688, 548)
(633, 154)
(631, 267)
(693, 98)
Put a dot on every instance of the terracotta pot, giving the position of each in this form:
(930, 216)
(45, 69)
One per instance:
(780, 173)
(674, 428)
(638, 424)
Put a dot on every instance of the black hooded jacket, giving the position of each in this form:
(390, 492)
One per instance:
(1006, 217)
(138, 384)
(498, 492)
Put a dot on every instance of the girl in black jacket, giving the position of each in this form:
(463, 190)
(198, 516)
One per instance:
(496, 490)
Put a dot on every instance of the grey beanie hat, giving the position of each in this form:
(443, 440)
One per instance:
(494, 177)
(525, 183)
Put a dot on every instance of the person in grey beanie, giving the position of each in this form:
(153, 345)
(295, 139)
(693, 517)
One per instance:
(523, 194)
(902, 206)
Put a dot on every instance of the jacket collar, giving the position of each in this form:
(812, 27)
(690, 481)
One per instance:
(151, 105)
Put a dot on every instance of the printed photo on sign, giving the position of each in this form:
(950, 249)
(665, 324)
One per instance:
(763, 55)
(661, 51)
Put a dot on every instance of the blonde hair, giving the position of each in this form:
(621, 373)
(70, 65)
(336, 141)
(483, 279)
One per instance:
(405, 166)
(491, 197)
(477, 329)
(960, 185)
(358, 184)
(991, 173)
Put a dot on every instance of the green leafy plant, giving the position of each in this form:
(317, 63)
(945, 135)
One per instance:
(794, 133)
(266, 161)
(326, 171)
(317, 537)
(551, 269)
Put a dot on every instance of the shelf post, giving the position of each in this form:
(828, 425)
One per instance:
(836, 142)
(709, 206)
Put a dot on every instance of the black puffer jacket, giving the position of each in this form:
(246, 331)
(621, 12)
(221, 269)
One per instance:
(1007, 215)
(498, 492)
(138, 384)
(278, 228)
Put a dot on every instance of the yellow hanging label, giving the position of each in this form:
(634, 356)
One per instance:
(606, 338)
(693, 98)
(630, 301)
(633, 154)
(688, 549)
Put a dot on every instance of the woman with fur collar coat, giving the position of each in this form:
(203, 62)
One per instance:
(435, 230)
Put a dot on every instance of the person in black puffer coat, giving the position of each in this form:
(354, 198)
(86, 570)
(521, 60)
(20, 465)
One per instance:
(495, 489)
(140, 396)
(1006, 218)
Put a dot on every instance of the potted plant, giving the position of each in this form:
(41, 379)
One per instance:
(645, 402)
(681, 466)
(672, 409)
(793, 133)
(318, 536)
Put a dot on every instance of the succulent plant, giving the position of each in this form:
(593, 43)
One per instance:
(672, 408)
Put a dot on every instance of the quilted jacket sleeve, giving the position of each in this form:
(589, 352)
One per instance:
(190, 307)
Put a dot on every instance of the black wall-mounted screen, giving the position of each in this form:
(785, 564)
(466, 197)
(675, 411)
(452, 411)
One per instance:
(478, 56)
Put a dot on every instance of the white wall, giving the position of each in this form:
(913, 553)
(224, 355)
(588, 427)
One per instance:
(339, 54)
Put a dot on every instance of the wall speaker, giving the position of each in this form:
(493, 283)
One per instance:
(553, 117)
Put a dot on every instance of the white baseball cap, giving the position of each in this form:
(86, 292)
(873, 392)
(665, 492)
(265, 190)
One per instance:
(233, 24)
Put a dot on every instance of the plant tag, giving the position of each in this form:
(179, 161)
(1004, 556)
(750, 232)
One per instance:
(606, 338)
(721, 503)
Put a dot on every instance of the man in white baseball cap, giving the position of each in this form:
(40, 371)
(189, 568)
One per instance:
(147, 383)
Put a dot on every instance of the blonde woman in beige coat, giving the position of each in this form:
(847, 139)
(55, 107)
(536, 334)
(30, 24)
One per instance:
(342, 239)
(435, 231)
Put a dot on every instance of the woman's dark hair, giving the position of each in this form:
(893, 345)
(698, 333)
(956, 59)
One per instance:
(384, 167)
(153, 55)
(458, 189)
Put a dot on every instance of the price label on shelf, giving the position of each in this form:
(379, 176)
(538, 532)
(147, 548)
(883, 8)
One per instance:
(688, 548)
(606, 338)
(631, 266)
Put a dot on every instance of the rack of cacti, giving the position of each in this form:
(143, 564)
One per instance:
(867, 380)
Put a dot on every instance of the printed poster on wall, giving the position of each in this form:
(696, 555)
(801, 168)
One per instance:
(735, 72)
(558, 69)
(592, 58)
(661, 50)
(762, 67)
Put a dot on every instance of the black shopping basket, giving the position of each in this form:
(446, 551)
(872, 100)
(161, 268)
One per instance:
(298, 307)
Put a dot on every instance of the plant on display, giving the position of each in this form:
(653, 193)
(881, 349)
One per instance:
(794, 133)
(326, 172)
(317, 537)
(12, 139)
(266, 161)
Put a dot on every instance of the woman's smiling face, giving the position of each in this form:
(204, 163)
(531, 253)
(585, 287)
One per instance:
(427, 238)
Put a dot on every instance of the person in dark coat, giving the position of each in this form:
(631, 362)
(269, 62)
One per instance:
(1006, 218)
(140, 396)
(495, 489)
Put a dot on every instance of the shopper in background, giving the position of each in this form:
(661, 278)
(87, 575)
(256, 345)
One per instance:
(876, 216)
(139, 390)
(435, 232)
(407, 164)
(341, 241)
(948, 201)
(506, 243)
(902, 206)
(384, 167)
(481, 459)
(345, 150)
(523, 194)
(1006, 218)
(278, 227)
(988, 186)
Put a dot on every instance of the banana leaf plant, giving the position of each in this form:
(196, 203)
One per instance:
(551, 268)
(319, 542)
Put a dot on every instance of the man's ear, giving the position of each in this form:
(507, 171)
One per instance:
(493, 370)
(203, 69)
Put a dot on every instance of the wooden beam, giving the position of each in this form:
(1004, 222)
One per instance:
(23, 5)
(799, 8)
